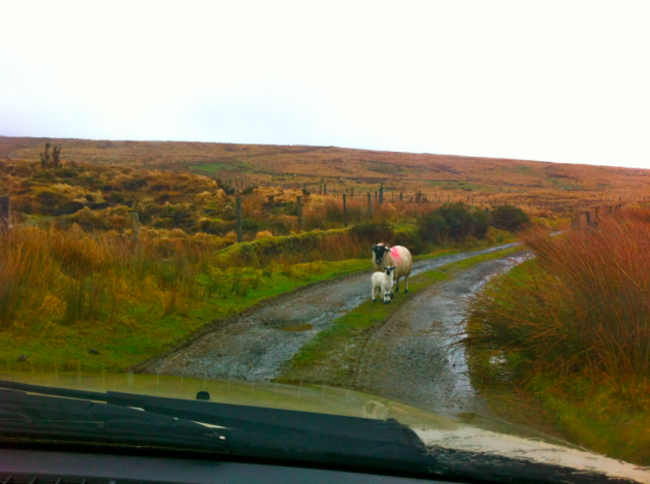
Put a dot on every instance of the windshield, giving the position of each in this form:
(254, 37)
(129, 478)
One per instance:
(304, 245)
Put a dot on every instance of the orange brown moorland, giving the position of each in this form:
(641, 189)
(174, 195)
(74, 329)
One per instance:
(543, 187)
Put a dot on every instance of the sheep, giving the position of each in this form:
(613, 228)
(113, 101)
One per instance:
(397, 256)
(384, 282)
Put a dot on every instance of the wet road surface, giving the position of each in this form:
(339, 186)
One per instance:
(411, 358)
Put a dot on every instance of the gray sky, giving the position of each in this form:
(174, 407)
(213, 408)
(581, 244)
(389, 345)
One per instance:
(565, 81)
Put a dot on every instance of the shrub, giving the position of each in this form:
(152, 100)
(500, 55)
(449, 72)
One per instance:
(481, 224)
(508, 217)
(133, 185)
(265, 234)
(214, 226)
(452, 221)
(373, 232)
(459, 220)
(433, 228)
(249, 225)
(410, 238)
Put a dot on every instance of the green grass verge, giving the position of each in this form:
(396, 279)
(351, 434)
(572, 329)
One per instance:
(584, 410)
(330, 358)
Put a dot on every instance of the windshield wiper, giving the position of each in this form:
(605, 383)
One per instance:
(36, 416)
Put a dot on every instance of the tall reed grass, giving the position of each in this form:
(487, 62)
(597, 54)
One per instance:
(51, 277)
(581, 307)
(72, 277)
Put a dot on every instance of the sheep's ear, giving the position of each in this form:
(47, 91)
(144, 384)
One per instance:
(374, 247)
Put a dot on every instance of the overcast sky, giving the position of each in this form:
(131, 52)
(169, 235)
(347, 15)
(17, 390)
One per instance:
(565, 81)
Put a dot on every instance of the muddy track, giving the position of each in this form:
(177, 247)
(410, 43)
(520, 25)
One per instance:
(256, 344)
(412, 358)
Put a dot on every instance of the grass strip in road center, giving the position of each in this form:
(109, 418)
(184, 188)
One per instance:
(330, 357)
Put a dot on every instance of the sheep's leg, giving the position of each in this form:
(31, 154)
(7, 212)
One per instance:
(372, 293)
(406, 285)
(397, 287)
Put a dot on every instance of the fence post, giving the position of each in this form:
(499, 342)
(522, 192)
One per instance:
(135, 225)
(401, 196)
(369, 205)
(299, 211)
(381, 194)
(345, 211)
(4, 213)
(240, 236)
(588, 218)
(4, 207)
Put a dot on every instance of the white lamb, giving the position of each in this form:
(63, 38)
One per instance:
(383, 281)
(397, 256)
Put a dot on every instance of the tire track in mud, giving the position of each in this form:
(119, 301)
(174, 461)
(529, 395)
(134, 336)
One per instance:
(256, 346)
(412, 358)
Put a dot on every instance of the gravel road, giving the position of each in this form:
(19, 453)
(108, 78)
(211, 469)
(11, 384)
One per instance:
(410, 358)
(255, 347)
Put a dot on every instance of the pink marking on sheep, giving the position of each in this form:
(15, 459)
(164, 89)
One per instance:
(395, 253)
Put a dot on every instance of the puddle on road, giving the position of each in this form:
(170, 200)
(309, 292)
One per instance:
(297, 328)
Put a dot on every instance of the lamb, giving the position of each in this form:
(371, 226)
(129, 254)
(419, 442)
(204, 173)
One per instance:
(397, 256)
(384, 282)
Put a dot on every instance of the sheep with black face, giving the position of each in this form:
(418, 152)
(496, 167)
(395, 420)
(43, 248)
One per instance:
(398, 256)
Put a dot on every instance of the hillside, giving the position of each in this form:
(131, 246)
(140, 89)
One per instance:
(438, 177)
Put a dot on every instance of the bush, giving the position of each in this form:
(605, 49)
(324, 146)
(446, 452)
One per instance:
(373, 232)
(508, 217)
(433, 228)
(481, 224)
(459, 220)
(214, 226)
(452, 221)
(411, 239)
(249, 225)
(133, 185)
